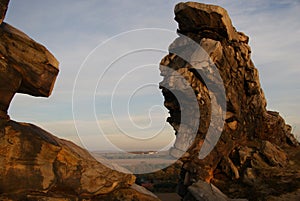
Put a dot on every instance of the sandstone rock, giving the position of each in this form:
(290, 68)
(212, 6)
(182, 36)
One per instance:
(32, 60)
(249, 176)
(10, 81)
(40, 162)
(209, 19)
(55, 169)
(144, 191)
(233, 125)
(274, 154)
(203, 191)
(25, 66)
(255, 144)
(3, 9)
(291, 139)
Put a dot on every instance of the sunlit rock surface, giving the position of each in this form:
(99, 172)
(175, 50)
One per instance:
(256, 155)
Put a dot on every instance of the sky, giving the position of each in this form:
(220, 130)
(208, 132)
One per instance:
(106, 95)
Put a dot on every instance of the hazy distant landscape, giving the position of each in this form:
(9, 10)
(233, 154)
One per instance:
(156, 171)
(138, 161)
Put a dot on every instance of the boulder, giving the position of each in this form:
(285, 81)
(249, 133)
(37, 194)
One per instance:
(36, 165)
(32, 60)
(25, 65)
(208, 19)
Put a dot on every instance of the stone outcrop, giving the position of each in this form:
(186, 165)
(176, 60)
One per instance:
(41, 163)
(25, 66)
(35, 165)
(254, 152)
(37, 67)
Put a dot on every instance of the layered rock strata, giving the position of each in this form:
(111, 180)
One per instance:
(25, 65)
(40, 163)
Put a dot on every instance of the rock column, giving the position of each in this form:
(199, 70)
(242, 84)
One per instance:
(250, 133)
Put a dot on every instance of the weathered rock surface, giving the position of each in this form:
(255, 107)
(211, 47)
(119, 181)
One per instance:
(32, 60)
(40, 162)
(256, 154)
(25, 66)
(36, 164)
(203, 191)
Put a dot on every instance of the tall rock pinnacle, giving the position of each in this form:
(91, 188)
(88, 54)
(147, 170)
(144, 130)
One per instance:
(245, 139)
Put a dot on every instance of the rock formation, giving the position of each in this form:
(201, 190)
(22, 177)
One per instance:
(25, 65)
(41, 163)
(35, 165)
(256, 156)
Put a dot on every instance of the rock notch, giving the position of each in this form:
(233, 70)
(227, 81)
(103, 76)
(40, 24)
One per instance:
(256, 152)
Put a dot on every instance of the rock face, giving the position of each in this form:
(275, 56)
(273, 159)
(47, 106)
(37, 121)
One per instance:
(41, 163)
(35, 165)
(25, 65)
(36, 65)
(256, 151)
(45, 167)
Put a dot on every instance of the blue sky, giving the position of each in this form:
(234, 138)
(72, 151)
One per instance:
(72, 29)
